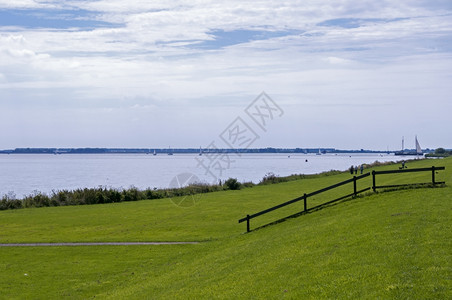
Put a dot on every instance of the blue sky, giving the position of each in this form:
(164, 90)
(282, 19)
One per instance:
(347, 74)
(50, 18)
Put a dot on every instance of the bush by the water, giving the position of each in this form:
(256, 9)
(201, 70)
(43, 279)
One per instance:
(232, 184)
(440, 152)
(10, 202)
(271, 178)
(102, 195)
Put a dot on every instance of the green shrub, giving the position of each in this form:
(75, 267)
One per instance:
(37, 199)
(130, 194)
(61, 197)
(10, 202)
(440, 151)
(232, 184)
(270, 178)
(102, 195)
(112, 196)
(90, 196)
(248, 184)
(15, 204)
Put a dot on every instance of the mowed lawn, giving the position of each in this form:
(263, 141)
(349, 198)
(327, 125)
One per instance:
(386, 245)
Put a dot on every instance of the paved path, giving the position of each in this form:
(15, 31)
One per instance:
(96, 244)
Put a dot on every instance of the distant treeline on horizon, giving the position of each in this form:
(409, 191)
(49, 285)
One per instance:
(182, 150)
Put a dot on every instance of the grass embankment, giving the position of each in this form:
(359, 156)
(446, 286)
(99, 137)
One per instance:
(387, 245)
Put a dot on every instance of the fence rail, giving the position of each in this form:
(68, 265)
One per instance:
(374, 187)
(306, 196)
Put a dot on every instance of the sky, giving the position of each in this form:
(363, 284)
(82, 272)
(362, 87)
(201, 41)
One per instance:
(153, 74)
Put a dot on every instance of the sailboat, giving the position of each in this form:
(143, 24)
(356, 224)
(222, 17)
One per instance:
(418, 150)
(170, 152)
(319, 153)
(418, 147)
(155, 153)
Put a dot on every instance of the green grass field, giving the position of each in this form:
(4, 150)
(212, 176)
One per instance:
(386, 245)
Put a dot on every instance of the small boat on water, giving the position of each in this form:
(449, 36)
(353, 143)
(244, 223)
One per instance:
(155, 153)
(169, 151)
(418, 150)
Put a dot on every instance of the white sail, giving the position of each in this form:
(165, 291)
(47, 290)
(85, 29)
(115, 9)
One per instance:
(418, 147)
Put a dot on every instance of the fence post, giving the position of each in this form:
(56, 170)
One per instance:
(433, 175)
(354, 185)
(305, 202)
(247, 223)
(374, 187)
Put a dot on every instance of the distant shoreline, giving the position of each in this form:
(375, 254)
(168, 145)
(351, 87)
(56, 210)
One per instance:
(157, 151)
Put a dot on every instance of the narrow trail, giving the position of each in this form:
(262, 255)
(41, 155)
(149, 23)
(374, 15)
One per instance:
(96, 244)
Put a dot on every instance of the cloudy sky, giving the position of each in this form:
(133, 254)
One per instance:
(113, 73)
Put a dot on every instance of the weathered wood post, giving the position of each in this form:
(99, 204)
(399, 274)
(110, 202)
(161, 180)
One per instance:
(433, 175)
(305, 202)
(374, 187)
(247, 223)
(354, 185)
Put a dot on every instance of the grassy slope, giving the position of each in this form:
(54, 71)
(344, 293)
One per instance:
(394, 244)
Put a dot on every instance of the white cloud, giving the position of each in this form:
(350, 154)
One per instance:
(27, 4)
(337, 60)
(147, 65)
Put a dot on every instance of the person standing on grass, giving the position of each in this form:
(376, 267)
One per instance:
(356, 169)
(362, 168)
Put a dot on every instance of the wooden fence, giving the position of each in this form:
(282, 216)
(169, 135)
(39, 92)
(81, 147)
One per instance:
(433, 169)
(355, 191)
(306, 196)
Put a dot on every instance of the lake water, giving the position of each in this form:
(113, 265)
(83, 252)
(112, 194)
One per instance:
(23, 174)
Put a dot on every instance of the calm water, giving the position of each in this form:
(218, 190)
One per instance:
(24, 173)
